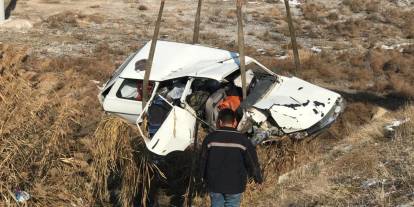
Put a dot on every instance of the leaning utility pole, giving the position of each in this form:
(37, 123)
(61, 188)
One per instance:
(197, 23)
(292, 37)
(240, 40)
(148, 65)
(2, 12)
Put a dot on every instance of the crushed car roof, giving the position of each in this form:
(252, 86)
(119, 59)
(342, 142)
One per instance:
(174, 60)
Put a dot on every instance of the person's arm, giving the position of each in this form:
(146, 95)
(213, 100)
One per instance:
(252, 162)
(203, 158)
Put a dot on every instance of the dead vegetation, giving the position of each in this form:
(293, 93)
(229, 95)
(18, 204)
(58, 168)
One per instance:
(363, 6)
(365, 169)
(49, 113)
(314, 12)
(117, 151)
(68, 19)
(39, 149)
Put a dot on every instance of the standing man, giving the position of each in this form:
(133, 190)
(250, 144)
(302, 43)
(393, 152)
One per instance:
(227, 158)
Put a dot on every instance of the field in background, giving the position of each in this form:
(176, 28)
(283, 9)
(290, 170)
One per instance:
(52, 53)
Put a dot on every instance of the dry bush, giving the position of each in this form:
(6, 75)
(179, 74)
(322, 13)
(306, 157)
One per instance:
(350, 28)
(368, 6)
(395, 67)
(62, 20)
(67, 20)
(142, 8)
(401, 19)
(38, 146)
(401, 86)
(269, 15)
(231, 14)
(314, 12)
(396, 16)
(362, 169)
(117, 150)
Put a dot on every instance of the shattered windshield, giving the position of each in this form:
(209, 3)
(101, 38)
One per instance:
(259, 86)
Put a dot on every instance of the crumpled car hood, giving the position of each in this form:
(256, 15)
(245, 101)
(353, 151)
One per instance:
(297, 105)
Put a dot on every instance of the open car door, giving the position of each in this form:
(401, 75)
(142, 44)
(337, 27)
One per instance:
(175, 133)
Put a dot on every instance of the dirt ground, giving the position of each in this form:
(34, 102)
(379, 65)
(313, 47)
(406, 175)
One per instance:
(55, 53)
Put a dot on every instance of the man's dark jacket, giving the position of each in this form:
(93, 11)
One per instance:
(227, 158)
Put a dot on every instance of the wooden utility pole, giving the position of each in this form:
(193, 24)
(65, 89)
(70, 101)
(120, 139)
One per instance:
(292, 37)
(240, 40)
(148, 65)
(197, 23)
(2, 12)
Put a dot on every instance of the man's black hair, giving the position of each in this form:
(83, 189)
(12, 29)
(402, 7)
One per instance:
(227, 116)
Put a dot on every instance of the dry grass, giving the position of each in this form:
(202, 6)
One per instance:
(314, 12)
(118, 151)
(44, 128)
(47, 146)
(37, 143)
(142, 8)
(69, 19)
(360, 6)
(338, 177)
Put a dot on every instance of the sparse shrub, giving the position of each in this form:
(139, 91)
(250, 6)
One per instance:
(349, 28)
(333, 16)
(357, 6)
(142, 7)
(314, 12)
(231, 14)
(401, 86)
(62, 20)
(68, 19)
(266, 19)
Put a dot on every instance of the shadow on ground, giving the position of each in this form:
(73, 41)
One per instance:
(389, 102)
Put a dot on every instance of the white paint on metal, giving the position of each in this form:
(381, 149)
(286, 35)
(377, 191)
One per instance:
(296, 104)
(175, 134)
(256, 115)
(174, 60)
(2, 11)
(249, 77)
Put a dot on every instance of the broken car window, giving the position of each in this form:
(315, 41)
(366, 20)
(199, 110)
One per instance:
(131, 89)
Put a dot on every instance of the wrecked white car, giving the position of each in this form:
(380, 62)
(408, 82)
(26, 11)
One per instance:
(193, 82)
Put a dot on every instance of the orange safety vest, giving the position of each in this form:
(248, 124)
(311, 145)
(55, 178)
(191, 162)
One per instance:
(230, 102)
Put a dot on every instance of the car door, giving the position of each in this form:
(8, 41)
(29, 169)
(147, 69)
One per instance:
(176, 132)
(122, 101)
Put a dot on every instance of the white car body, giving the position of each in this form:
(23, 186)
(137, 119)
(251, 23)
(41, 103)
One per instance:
(293, 106)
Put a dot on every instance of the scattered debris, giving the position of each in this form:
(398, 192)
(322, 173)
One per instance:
(316, 49)
(400, 47)
(283, 57)
(390, 128)
(261, 51)
(295, 2)
(22, 196)
(142, 7)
